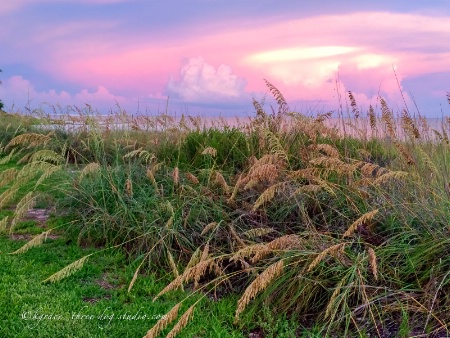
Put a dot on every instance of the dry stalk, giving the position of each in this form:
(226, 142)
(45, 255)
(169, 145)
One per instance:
(89, 169)
(287, 242)
(210, 151)
(163, 322)
(258, 232)
(152, 179)
(67, 271)
(176, 176)
(192, 178)
(35, 242)
(197, 271)
(332, 250)
(4, 224)
(397, 175)
(269, 194)
(7, 176)
(129, 188)
(25, 204)
(372, 120)
(208, 228)
(259, 284)
(367, 217)
(373, 262)
(32, 139)
(334, 296)
(260, 173)
(327, 149)
(235, 235)
(184, 320)
(219, 180)
(172, 264)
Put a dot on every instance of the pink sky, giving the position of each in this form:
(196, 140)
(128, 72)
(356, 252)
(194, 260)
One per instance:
(105, 52)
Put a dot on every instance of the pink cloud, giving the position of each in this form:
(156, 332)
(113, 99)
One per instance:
(303, 57)
(100, 96)
(201, 81)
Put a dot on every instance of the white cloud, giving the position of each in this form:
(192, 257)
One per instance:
(201, 81)
(19, 92)
(101, 95)
(300, 53)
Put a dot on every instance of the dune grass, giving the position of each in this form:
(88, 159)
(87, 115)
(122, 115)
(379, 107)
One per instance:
(334, 232)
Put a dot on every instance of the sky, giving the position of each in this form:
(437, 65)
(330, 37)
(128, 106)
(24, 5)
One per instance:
(208, 57)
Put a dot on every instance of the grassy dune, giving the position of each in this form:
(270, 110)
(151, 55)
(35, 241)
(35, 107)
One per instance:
(303, 228)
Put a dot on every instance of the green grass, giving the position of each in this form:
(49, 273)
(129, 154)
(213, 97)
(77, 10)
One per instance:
(91, 302)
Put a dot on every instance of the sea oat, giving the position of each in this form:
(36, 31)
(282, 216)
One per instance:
(210, 151)
(269, 194)
(176, 176)
(334, 296)
(129, 187)
(4, 223)
(7, 176)
(191, 178)
(259, 284)
(89, 169)
(163, 322)
(286, 242)
(32, 139)
(219, 180)
(328, 150)
(265, 172)
(367, 217)
(184, 319)
(396, 175)
(332, 250)
(372, 120)
(35, 242)
(67, 271)
(203, 257)
(355, 110)
(25, 204)
(388, 119)
(208, 228)
(197, 271)
(258, 232)
(172, 264)
(373, 262)
(152, 179)
(235, 235)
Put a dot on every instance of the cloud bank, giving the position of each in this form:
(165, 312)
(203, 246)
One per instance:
(19, 92)
(202, 82)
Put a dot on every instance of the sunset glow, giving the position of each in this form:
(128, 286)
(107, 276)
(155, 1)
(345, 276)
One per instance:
(214, 59)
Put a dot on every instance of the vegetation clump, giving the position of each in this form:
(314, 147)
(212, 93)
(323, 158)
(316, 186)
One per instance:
(344, 230)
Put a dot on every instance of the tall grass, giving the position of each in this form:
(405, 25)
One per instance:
(346, 234)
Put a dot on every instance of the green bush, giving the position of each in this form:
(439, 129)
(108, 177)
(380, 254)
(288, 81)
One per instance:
(233, 149)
